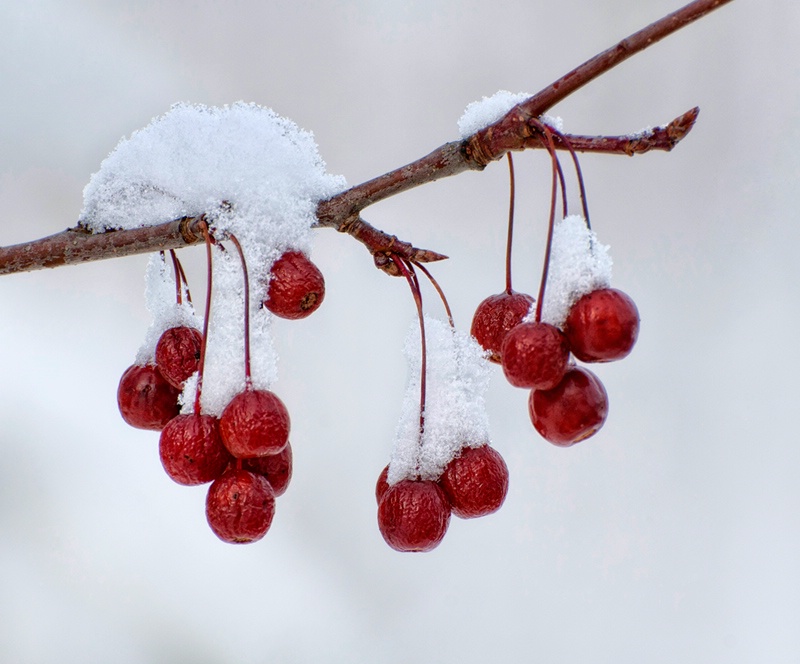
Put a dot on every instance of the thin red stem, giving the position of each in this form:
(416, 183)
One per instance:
(439, 290)
(510, 240)
(248, 379)
(550, 226)
(407, 270)
(209, 284)
(176, 271)
(183, 277)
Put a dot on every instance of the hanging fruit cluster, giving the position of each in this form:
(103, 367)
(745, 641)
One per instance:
(589, 321)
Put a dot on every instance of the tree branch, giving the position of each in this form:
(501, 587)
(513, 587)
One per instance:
(515, 131)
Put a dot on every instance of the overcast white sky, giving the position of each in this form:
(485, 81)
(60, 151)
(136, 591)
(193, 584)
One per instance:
(672, 535)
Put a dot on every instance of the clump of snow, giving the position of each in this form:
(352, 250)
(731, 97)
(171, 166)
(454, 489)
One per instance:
(254, 175)
(455, 412)
(647, 132)
(224, 373)
(194, 157)
(579, 264)
(480, 114)
(161, 302)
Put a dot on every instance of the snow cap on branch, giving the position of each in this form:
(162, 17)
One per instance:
(480, 114)
(455, 413)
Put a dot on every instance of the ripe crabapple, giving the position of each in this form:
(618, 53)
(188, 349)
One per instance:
(495, 316)
(255, 423)
(602, 326)
(535, 355)
(145, 399)
(413, 515)
(296, 286)
(475, 482)
(240, 506)
(572, 411)
(191, 450)
(178, 354)
(276, 468)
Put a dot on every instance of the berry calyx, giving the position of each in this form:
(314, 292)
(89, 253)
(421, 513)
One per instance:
(178, 354)
(255, 423)
(191, 450)
(240, 506)
(572, 411)
(296, 286)
(602, 326)
(495, 317)
(413, 515)
(535, 355)
(145, 399)
(475, 482)
(276, 468)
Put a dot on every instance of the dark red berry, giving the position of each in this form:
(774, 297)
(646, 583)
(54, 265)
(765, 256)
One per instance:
(476, 482)
(240, 506)
(413, 515)
(296, 286)
(535, 355)
(145, 399)
(495, 316)
(191, 449)
(602, 326)
(255, 423)
(178, 354)
(572, 411)
(276, 468)
(382, 484)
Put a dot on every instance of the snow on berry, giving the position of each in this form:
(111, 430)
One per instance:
(455, 413)
(579, 264)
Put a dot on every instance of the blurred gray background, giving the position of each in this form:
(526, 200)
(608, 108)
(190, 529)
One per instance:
(671, 536)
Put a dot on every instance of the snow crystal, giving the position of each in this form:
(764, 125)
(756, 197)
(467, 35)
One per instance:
(480, 114)
(161, 302)
(455, 411)
(578, 265)
(553, 121)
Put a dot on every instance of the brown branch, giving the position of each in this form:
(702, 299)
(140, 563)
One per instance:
(515, 131)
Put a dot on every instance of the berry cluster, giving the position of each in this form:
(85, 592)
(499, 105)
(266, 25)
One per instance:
(590, 322)
(245, 451)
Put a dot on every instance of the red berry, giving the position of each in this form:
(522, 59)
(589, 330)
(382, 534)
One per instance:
(276, 468)
(495, 316)
(535, 355)
(145, 399)
(191, 450)
(296, 286)
(572, 411)
(476, 482)
(178, 354)
(382, 484)
(413, 515)
(255, 423)
(240, 506)
(602, 326)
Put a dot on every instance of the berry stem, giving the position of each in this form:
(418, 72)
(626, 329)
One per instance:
(248, 379)
(177, 273)
(438, 290)
(510, 240)
(551, 223)
(209, 284)
(413, 283)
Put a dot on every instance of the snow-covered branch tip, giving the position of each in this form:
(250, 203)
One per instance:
(516, 130)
